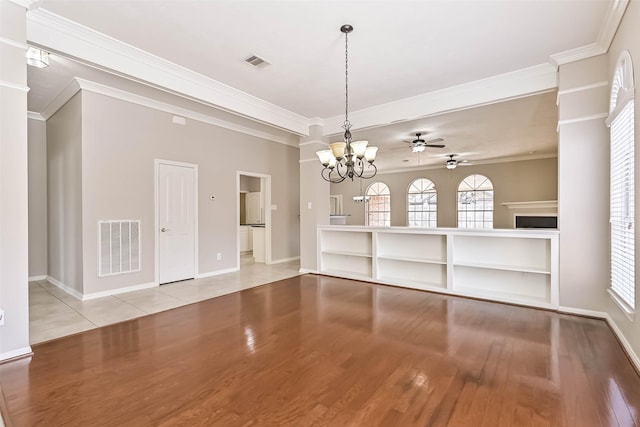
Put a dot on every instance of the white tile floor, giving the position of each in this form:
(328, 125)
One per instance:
(53, 313)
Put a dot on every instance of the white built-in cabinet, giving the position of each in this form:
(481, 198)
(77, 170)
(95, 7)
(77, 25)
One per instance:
(246, 239)
(517, 266)
(254, 208)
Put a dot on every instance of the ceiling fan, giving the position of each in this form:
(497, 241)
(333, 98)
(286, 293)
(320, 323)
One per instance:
(452, 163)
(419, 144)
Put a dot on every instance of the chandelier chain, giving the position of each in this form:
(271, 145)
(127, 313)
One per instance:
(346, 79)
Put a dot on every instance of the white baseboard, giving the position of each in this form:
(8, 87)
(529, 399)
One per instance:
(217, 272)
(281, 260)
(582, 312)
(307, 271)
(635, 360)
(65, 288)
(102, 294)
(37, 278)
(20, 352)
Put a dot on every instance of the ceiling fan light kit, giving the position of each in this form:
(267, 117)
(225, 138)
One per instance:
(347, 159)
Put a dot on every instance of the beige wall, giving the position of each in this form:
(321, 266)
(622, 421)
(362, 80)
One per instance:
(37, 148)
(522, 181)
(14, 252)
(249, 183)
(64, 194)
(314, 197)
(627, 39)
(121, 141)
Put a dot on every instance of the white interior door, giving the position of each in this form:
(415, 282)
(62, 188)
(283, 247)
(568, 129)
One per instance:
(176, 222)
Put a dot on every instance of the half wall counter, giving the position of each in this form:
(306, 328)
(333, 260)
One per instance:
(515, 266)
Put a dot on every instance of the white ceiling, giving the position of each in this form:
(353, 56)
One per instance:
(399, 49)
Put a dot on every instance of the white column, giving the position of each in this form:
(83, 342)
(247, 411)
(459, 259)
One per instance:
(583, 183)
(314, 197)
(14, 297)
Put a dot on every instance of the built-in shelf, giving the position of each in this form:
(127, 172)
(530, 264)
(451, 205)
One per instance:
(347, 253)
(518, 266)
(543, 204)
(506, 267)
(412, 259)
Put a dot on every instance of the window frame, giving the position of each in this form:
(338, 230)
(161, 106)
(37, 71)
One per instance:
(478, 193)
(621, 121)
(432, 214)
(373, 196)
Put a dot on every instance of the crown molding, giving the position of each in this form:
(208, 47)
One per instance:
(527, 81)
(612, 20)
(172, 109)
(610, 25)
(578, 54)
(35, 116)
(27, 4)
(60, 99)
(63, 35)
(14, 43)
(474, 163)
(16, 86)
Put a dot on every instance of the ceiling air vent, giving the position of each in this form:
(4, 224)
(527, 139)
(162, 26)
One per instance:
(256, 61)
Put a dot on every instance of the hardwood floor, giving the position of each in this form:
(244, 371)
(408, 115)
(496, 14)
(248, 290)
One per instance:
(315, 351)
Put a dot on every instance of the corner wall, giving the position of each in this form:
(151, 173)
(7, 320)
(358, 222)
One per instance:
(14, 252)
(37, 148)
(583, 184)
(64, 195)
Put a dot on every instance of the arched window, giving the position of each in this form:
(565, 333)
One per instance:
(475, 202)
(378, 207)
(622, 204)
(422, 204)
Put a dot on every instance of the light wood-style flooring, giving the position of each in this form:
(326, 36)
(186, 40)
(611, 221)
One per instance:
(319, 351)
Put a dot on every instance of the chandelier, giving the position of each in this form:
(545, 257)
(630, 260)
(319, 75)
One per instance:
(347, 159)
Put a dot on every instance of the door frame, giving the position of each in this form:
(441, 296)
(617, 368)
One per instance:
(156, 230)
(265, 187)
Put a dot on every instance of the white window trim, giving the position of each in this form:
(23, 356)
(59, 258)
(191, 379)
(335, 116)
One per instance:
(626, 95)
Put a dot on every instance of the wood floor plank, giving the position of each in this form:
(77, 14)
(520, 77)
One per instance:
(321, 351)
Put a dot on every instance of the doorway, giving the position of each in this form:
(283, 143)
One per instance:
(254, 212)
(176, 221)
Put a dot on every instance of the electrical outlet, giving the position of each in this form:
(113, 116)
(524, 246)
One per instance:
(1, 317)
(219, 256)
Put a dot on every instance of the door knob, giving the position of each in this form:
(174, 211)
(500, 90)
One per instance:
(164, 229)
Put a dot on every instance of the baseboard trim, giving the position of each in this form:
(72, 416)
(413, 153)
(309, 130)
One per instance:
(37, 278)
(111, 292)
(64, 287)
(217, 272)
(633, 357)
(582, 312)
(16, 354)
(307, 271)
(281, 260)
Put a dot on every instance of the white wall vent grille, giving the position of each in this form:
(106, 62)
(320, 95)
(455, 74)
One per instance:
(118, 247)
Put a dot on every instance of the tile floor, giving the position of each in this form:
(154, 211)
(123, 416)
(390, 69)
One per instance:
(54, 313)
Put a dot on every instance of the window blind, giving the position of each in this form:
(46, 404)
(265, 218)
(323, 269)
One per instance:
(623, 205)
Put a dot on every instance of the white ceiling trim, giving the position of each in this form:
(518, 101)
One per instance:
(610, 25)
(63, 35)
(580, 89)
(60, 99)
(473, 163)
(13, 43)
(27, 4)
(172, 109)
(498, 88)
(35, 116)
(302, 144)
(10, 85)
(601, 116)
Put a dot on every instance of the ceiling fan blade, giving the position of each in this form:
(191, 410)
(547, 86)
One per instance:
(435, 145)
